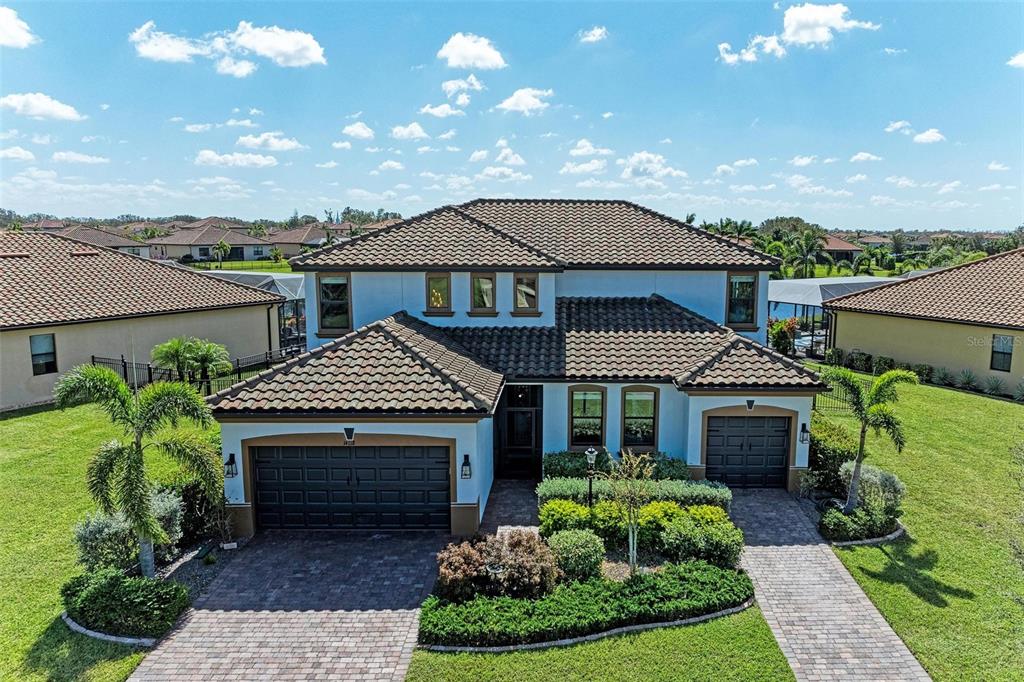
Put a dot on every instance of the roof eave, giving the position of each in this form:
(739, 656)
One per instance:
(927, 318)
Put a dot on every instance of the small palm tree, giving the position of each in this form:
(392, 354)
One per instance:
(174, 354)
(861, 264)
(276, 254)
(116, 476)
(221, 249)
(210, 359)
(629, 480)
(806, 251)
(872, 407)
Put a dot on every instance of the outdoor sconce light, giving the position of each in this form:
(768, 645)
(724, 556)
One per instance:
(591, 456)
(591, 460)
(230, 468)
(467, 472)
(750, 406)
(805, 435)
(350, 435)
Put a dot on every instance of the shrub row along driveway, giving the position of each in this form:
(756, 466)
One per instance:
(300, 606)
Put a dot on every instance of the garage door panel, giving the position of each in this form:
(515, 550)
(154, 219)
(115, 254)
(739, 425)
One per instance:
(747, 451)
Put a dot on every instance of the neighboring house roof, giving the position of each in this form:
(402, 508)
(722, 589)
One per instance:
(207, 236)
(44, 224)
(92, 235)
(986, 292)
(47, 279)
(212, 221)
(308, 235)
(510, 233)
(398, 365)
(874, 239)
(833, 243)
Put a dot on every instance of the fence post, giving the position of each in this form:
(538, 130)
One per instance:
(149, 372)
(238, 370)
(124, 368)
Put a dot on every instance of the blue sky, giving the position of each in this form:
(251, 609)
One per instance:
(867, 115)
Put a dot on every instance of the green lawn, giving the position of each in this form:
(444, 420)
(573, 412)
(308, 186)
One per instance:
(821, 270)
(43, 457)
(253, 265)
(952, 591)
(738, 647)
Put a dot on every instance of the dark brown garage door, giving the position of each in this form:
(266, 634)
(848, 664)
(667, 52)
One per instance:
(351, 487)
(748, 452)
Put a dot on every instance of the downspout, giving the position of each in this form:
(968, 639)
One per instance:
(270, 329)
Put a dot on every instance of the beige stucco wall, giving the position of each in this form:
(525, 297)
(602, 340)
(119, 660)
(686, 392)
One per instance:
(939, 344)
(243, 330)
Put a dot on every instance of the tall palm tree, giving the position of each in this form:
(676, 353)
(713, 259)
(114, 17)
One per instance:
(806, 251)
(174, 354)
(116, 476)
(872, 407)
(209, 358)
(221, 249)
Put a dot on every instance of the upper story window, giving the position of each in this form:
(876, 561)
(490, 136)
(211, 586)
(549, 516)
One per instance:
(527, 286)
(482, 292)
(640, 418)
(335, 299)
(586, 416)
(1002, 352)
(44, 354)
(439, 293)
(741, 293)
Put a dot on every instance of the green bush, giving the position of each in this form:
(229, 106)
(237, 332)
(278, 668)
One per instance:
(831, 447)
(609, 522)
(652, 519)
(834, 356)
(865, 523)
(579, 554)
(109, 602)
(967, 380)
(573, 464)
(559, 515)
(882, 364)
(514, 564)
(994, 386)
(706, 515)
(576, 609)
(684, 493)
(943, 377)
(198, 513)
(105, 541)
(859, 361)
(670, 468)
(876, 485)
(923, 372)
(1018, 392)
(718, 542)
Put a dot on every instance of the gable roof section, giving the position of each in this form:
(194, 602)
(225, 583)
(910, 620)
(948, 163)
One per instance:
(745, 364)
(833, 243)
(398, 365)
(444, 238)
(47, 279)
(986, 292)
(207, 236)
(307, 234)
(91, 235)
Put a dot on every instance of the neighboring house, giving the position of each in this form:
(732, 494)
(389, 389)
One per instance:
(875, 240)
(968, 316)
(44, 224)
(199, 242)
(840, 249)
(65, 301)
(214, 221)
(459, 345)
(291, 313)
(291, 242)
(97, 237)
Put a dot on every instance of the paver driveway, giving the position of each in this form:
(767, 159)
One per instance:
(305, 606)
(824, 623)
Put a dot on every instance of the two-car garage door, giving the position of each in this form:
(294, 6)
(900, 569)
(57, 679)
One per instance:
(323, 487)
(748, 452)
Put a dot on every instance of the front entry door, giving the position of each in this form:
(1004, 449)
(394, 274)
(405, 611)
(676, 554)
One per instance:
(519, 432)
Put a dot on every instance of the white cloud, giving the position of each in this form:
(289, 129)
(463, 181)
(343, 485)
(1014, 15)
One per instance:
(208, 157)
(390, 164)
(509, 158)
(441, 110)
(894, 50)
(426, 149)
(478, 155)
(502, 174)
(996, 166)
(104, 107)
(343, 144)
(950, 187)
(1017, 60)
(75, 157)
(724, 169)
(527, 101)
(17, 154)
(165, 47)
(860, 157)
(929, 136)
(594, 183)
(593, 35)
(255, 112)
(585, 147)
(901, 181)
(740, 189)
(902, 127)
(606, 115)
(854, 179)
(452, 148)
(14, 32)
(469, 51)
(281, 46)
(327, 164)
(358, 130)
(365, 195)
(241, 123)
(462, 100)
(804, 185)
(743, 163)
(801, 161)
(272, 141)
(39, 106)
(665, 140)
(996, 187)
(197, 127)
(239, 68)
(10, 134)
(763, 44)
(447, 135)
(584, 168)
(831, 159)
(413, 131)
(458, 85)
(176, 119)
(37, 138)
(644, 165)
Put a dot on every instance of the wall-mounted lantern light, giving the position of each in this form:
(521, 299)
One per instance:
(750, 406)
(230, 468)
(805, 435)
(591, 460)
(350, 435)
(467, 472)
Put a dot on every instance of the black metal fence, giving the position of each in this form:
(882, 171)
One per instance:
(836, 400)
(139, 374)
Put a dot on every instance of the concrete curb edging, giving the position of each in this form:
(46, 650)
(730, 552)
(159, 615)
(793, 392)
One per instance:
(900, 530)
(147, 642)
(586, 638)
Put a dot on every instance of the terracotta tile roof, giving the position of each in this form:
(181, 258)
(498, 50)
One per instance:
(444, 238)
(539, 234)
(874, 239)
(212, 221)
(742, 363)
(398, 365)
(985, 292)
(833, 243)
(207, 236)
(307, 234)
(48, 279)
(91, 235)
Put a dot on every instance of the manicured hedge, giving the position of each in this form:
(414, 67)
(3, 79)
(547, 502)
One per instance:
(685, 493)
(865, 523)
(574, 465)
(572, 610)
(832, 445)
(109, 602)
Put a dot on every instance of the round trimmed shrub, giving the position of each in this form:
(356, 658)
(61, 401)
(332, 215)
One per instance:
(579, 553)
(556, 515)
(877, 486)
(706, 515)
(718, 543)
(111, 603)
(653, 518)
(609, 522)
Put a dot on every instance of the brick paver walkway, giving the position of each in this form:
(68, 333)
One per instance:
(305, 606)
(512, 504)
(825, 624)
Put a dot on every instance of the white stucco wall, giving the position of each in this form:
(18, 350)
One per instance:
(483, 466)
(248, 252)
(802, 405)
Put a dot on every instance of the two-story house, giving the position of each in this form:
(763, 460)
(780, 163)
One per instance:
(459, 345)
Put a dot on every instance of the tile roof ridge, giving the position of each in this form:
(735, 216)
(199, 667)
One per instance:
(540, 200)
(705, 363)
(759, 347)
(363, 236)
(886, 285)
(515, 240)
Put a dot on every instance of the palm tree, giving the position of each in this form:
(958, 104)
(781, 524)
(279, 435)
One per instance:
(116, 476)
(861, 264)
(690, 219)
(911, 262)
(806, 251)
(209, 358)
(873, 409)
(174, 354)
(257, 229)
(221, 249)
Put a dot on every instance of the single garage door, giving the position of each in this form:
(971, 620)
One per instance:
(393, 487)
(748, 452)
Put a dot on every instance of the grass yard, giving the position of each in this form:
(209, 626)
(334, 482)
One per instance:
(952, 591)
(738, 647)
(43, 457)
(253, 265)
